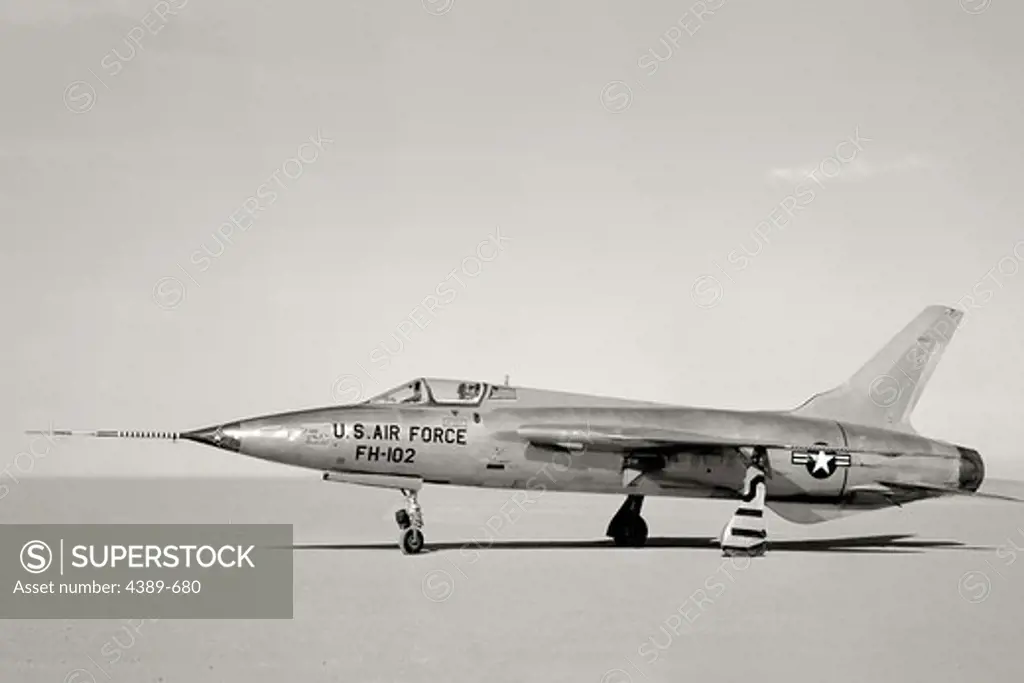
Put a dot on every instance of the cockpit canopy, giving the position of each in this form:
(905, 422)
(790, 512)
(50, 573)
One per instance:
(425, 391)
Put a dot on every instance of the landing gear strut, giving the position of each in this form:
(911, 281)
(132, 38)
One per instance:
(627, 527)
(410, 524)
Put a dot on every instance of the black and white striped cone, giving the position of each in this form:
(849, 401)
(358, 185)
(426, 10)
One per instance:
(745, 533)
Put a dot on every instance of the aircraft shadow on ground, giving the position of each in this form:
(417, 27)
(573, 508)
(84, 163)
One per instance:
(885, 544)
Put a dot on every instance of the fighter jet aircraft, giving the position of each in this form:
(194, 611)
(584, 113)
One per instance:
(846, 450)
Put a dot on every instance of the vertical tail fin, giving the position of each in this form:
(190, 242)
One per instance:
(886, 390)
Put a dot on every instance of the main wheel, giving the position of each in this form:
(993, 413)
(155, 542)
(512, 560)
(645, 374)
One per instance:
(631, 533)
(412, 541)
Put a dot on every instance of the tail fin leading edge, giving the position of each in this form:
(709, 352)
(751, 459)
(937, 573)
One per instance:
(886, 390)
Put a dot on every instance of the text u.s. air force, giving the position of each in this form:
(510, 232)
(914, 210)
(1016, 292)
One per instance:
(373, 435)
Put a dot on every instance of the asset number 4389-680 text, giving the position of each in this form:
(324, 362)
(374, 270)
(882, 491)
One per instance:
(158, 586)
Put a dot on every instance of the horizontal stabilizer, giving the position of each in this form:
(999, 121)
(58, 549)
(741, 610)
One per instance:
(947, 491)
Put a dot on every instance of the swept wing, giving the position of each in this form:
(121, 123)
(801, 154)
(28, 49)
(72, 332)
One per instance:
(578, 437)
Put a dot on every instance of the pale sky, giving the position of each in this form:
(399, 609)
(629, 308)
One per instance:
(617, 180)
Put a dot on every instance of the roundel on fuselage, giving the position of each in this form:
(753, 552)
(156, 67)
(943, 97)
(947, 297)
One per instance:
(821, 461)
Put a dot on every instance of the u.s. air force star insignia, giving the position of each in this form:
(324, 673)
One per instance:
(821, 463)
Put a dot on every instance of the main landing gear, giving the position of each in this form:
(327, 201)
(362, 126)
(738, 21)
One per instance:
(627, 527)
(410, 524)
(745, 532)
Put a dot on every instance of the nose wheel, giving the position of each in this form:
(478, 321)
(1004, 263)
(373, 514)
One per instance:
(410, 524)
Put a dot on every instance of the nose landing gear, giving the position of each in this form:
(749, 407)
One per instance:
(410, 524)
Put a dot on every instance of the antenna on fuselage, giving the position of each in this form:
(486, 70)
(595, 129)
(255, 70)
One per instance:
(506, 380)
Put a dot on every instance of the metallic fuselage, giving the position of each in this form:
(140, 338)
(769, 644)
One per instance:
(476, 446)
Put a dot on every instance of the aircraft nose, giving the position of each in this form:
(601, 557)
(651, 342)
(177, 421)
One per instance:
(972, 469)
(220, 436)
